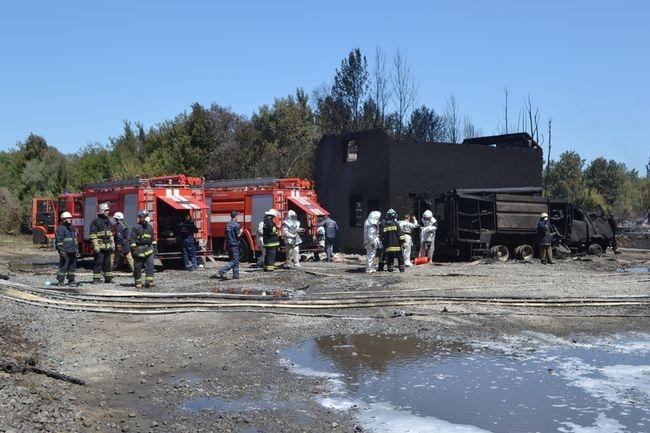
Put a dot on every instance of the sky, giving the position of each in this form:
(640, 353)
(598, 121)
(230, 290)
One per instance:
(73, 71)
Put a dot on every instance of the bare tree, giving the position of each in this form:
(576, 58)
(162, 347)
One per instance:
(452, 120)
(382, 92)
(404, 88)
(469, 129)
(530, 119)
(548, 155)
(505, 109)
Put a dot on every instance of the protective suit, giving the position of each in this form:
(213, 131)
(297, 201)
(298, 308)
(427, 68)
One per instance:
(406, 227)
(260, 242)
(320, 241)
(371, 239)
(428, 235)
(291, 232)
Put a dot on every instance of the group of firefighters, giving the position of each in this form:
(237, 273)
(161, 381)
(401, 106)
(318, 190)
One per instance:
(388, 239)
(136, 247)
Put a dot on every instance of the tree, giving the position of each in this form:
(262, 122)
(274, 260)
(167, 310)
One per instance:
(380, 82)
(452, 121)
(289, 134)
(11, 213)
(608, 178)
(351, 83)
(469, 129)
(566, 182)
(92, 164)
(404, 89)
(426, 124)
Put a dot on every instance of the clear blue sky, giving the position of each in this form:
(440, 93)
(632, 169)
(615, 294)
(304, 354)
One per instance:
(73, 70)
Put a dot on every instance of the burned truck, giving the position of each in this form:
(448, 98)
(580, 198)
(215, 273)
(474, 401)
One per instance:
(502, 223)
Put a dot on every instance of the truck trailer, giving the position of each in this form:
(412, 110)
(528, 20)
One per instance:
(502, 222)
(167, 198)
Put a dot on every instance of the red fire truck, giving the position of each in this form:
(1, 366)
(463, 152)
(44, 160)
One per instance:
(251, 198)
(167, 198)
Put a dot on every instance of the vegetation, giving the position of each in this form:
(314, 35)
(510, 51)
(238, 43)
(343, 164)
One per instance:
(279, 140)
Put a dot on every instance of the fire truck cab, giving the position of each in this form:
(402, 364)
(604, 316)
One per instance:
(168, 199)
(252, 198)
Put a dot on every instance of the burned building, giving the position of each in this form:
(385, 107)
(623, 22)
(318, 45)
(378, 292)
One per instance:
(359, 172)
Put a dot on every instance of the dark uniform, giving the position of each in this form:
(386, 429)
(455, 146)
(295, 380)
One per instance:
(331, 229)
(544, 240)
(122, 246)
(612, 224)
(143, 247)
(66, 244)
(186, 230)
(232, 243)
(101, 238)
(271, 242)
(390, 238)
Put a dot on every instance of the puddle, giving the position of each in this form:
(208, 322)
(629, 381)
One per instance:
(221, 405)
(187, 378)
(634, 270)
(526, 383)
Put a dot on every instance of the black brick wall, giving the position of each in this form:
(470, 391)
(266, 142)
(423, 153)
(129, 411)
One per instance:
(387, 171)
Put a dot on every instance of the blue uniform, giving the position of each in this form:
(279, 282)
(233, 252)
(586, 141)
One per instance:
(331, 229)
(233, 230)
(186, 230)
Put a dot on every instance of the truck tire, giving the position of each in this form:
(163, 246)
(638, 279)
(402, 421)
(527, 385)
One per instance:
(500, 252)
(524, 252)
(39, 238)
(595, 249)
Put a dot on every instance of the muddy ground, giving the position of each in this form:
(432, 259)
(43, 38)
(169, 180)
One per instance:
(143, 372)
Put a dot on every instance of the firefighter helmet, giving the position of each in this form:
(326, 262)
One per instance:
(65, 215)
(118, 216)
(543, 215)
(103, 207)
(391, 214)
(143, 213)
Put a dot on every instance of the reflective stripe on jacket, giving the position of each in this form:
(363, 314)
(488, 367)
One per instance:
(65, 239)
(101, 234)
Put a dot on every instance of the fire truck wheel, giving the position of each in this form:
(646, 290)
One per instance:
(38, 237)
(245, 254)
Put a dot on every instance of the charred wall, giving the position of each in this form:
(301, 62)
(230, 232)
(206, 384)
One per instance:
(341, 183)
(389, 173)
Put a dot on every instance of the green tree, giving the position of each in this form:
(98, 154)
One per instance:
(426, 124)
(91, 164)
(566, 182)
(289, 134)
(608, 178)
(351, 84)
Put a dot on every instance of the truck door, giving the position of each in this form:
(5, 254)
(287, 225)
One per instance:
(44, 220)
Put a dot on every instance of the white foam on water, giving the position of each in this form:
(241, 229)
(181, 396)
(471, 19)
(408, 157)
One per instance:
(603, 424)
(384, 418)
(623, 385)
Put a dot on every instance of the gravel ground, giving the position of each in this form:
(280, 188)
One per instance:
(142, 372)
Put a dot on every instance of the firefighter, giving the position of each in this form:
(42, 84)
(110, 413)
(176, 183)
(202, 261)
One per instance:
(320, 241)
(260, 242)
(101, 239)
(122, 243)
(271, 239)
(428, 235)
(65, 242)
(331, 229)
(185, 232)
(371, 240)
(544, 239)
(612, 224)
(143, 248)
(233, 233)
(391, 241)
(406, 227)
(291, 232)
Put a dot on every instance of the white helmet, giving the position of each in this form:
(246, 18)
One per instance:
(271, 212)
(103, 207)
(66, 215)
(427, 215)
(118, 216)
(291, 215)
